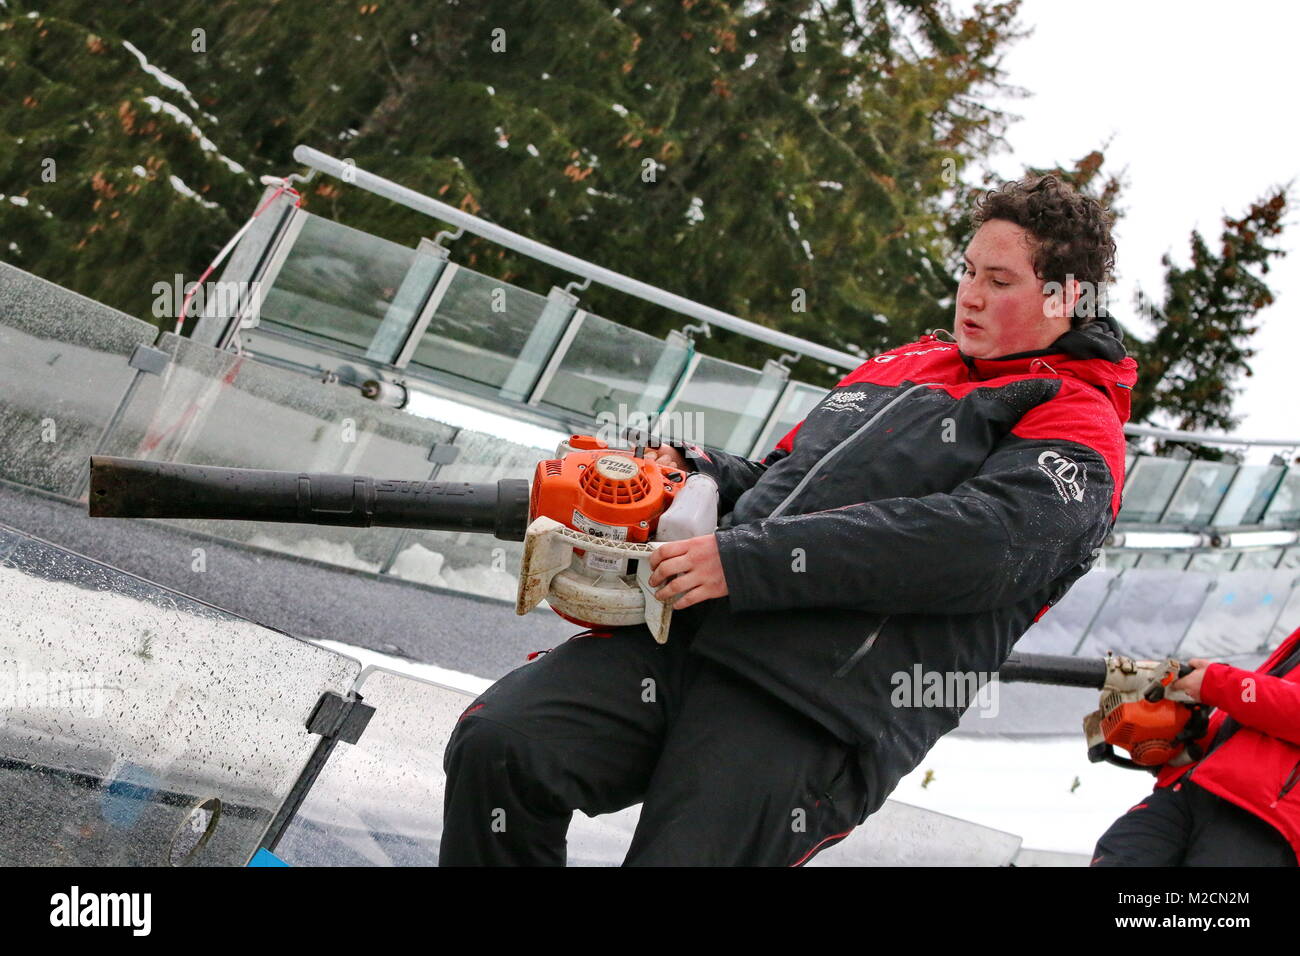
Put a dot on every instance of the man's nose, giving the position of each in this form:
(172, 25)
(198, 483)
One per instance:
(970, 300)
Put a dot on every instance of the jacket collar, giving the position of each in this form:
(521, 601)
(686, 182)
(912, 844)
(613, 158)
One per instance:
(1094, 353)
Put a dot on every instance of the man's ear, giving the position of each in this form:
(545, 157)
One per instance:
(1061, 298)
(1070, 295)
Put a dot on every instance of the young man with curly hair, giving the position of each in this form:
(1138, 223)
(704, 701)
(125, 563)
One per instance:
(938, 501)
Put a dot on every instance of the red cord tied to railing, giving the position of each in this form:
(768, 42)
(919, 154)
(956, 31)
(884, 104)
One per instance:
(282, 188)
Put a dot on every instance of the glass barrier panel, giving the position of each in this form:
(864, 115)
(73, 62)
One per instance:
(1249, 495)
(1147, 490)
(471, 563)
(380, 802)
(1213, 560)
(218, 408)
(1170, 560)
(608, 365)
(724, 404)
(1259, 560)
(1290, 558)
(1121, 560)
(1059, 630)
(479, 328)
(342, 284)
(1239, 614)
(803, 400)
(1284, 508)
(1147, 614)
(1198, 496)
(63, 362)
(143, 727)
(1289, 619)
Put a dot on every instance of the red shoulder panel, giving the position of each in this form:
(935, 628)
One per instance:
(1081, 414)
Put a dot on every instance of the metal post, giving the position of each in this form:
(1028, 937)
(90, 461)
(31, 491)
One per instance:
(431, 305)
(282, 244)
(543, 349)
(336, 718)
(427, 266)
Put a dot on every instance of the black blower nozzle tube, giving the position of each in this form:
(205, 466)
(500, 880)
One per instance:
(127, 488)
(1058, 669)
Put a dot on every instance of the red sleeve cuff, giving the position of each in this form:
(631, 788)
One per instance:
(1221, 686)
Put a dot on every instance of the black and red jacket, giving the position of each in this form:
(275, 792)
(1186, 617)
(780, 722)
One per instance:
(1258, 766)
(926, 511)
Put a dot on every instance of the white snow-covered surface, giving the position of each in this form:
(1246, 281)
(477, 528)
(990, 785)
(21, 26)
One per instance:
(418, 563)
(341, 553)
(1023, 786)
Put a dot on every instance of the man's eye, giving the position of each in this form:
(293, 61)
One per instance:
(996, 282)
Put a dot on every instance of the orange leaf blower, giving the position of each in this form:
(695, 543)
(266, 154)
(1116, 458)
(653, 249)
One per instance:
(590, 518)
(1137, 713)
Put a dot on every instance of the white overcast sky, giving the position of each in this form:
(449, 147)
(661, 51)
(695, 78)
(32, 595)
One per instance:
(1198, 101)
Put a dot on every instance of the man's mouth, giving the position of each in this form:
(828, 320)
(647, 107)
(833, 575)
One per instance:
(966, 325)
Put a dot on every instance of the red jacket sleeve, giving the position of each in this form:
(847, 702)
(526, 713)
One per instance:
(1264, 703)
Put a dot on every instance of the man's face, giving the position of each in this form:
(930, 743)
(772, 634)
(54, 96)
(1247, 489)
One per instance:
(1001, 308)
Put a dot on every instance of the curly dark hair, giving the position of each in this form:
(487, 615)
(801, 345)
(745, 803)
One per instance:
(1071, 232)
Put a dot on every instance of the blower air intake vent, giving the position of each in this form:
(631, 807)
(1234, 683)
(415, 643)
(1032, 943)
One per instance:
(1117, 730)
(552, 467)
(623, 491)
(1161, 749)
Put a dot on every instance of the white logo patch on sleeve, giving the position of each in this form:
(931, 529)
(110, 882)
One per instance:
(1068, 476)
(841, 400)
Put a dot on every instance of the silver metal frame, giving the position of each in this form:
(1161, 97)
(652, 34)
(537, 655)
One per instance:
(764, 442)
(426, 315)
(284, 243)
(557, 357)
(558, 344)
(1205, 438)
(1182, 483)
(427, 249)
(682, 381)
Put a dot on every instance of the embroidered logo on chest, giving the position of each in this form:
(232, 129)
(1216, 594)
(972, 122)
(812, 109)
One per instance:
(840, 400)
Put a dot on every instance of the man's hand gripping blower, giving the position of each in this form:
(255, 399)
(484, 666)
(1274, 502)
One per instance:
(589, 520)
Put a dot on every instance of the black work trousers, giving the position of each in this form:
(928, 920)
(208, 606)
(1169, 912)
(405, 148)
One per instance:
(1185, 825)
(727, 773)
